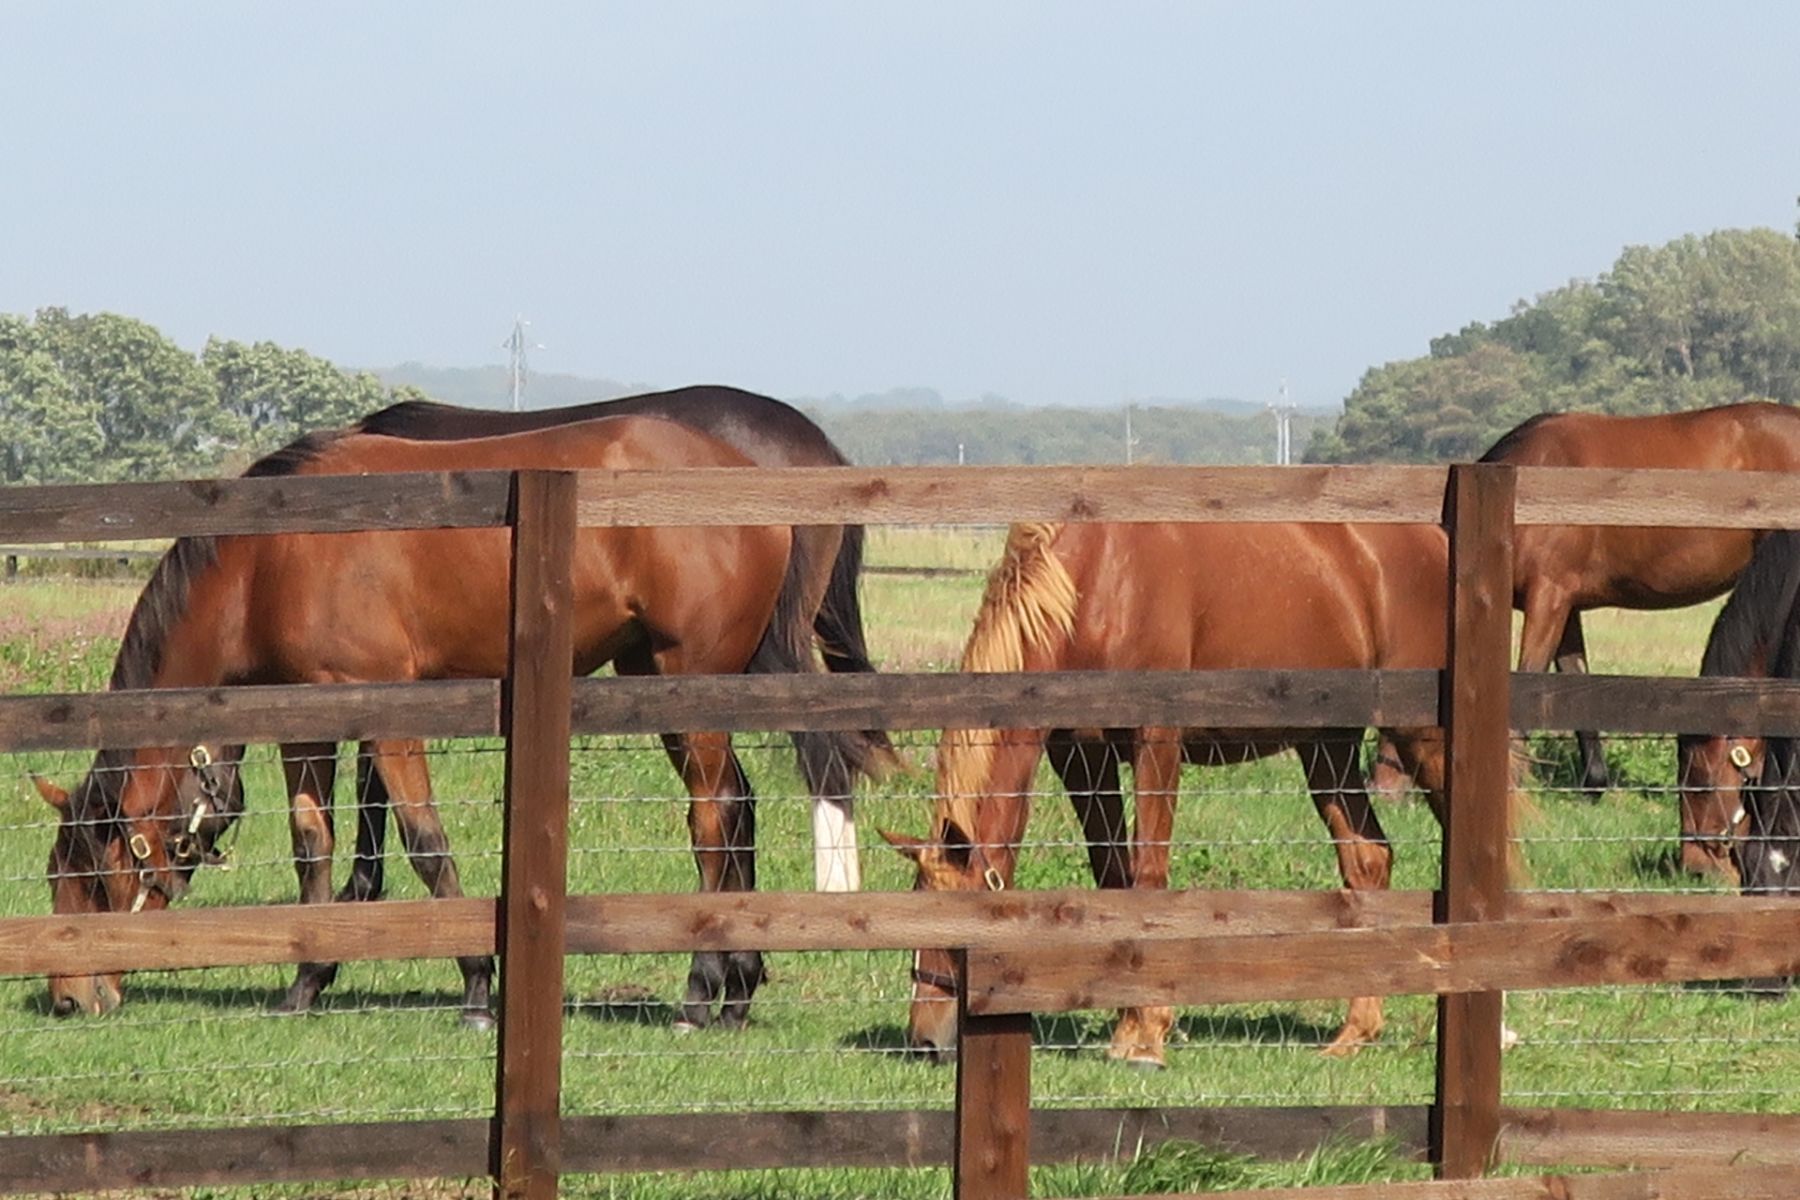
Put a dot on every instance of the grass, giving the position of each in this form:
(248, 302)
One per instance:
(194, 1049)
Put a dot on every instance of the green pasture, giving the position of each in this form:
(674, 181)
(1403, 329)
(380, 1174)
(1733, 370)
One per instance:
(197, 1049)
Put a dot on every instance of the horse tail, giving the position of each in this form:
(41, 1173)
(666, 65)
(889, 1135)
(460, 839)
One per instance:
(1029, 604)
(829, 760)
(839, 622)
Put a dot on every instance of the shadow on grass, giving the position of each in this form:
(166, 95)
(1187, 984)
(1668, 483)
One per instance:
(628, 1004)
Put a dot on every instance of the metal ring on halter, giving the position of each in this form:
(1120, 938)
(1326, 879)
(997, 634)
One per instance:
(991, 877)
(140, 847)
(1740, 757)
(200, 758)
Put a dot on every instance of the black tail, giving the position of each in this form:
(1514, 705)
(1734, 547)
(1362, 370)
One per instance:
(829, 761)
(839, 622)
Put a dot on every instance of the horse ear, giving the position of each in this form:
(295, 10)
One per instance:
(56, 797)
(910, 847)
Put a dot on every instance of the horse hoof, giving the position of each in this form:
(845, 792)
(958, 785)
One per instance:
(478, 1019)
(1143, 1062)
(683, 1026)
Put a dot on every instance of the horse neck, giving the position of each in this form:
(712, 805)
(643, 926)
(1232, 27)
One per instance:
(1753, 631)
(987, 794)
(192, 634)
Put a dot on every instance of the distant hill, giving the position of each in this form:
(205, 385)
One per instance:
(491, 387)
(917, 425)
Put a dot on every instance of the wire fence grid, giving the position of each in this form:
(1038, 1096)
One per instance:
(828, 1030)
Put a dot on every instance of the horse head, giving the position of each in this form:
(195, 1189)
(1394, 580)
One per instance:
(1768, 854)
(951, 863)
(1716, 775)
(120, 848)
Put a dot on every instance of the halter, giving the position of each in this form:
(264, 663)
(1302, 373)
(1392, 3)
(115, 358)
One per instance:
(184, 847)
(946, 981)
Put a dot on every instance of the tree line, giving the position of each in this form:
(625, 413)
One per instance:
(1699, 321)
(106, 397)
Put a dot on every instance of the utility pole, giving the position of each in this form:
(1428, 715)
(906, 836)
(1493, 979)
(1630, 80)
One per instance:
(1130, 438)
(517, 346)
(1283, 408)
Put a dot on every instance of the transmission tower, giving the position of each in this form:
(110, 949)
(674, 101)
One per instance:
(517, 348)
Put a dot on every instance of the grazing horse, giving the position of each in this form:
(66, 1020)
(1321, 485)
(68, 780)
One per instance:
(1561, 570)
(432, 604)
(769, 433)
(1177, 597)
(1718, 772)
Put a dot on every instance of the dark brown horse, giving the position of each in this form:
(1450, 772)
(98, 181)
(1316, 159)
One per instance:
(1177, 597)
(433, 604)
(1561, 570)
(1718, 772)
(769, 433)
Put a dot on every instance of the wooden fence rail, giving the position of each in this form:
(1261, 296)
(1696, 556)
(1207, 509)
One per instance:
(1465, 942)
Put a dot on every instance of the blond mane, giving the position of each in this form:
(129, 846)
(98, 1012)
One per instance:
(1029, 603)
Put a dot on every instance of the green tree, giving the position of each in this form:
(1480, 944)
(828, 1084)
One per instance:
(274, 394)
(156, 407)
(48, 434)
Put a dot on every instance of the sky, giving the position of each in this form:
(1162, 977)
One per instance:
(1059, 203)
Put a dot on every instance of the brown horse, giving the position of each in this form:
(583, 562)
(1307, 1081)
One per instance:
(1561, 570)
(1177, 597)
(769, 433)
(433, 604)
(1752, 635)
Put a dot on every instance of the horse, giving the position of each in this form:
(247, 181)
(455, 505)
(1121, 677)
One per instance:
(1559, 571)
(770, 433)
(1176, 597)
(1717, 773)
(430, 604)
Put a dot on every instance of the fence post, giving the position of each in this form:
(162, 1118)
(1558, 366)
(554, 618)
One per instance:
(1474, 704)
(993, 1102)
(535, 716)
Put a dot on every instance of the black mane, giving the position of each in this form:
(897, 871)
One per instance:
(1509, 441)
(1759, 617)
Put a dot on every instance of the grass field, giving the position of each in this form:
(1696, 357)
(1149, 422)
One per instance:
(200, 1049)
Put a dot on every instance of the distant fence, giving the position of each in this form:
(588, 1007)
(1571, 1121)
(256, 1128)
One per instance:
(1023, 952)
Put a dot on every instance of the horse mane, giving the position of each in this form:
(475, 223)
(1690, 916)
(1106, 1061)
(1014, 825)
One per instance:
(1029, 602)
(1758, 616)
(164, 598)
(1510, 441)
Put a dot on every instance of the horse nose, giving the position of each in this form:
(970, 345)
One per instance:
(65, 1006)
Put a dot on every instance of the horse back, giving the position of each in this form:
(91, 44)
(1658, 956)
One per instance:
(1219, 596)
(1755, 435)
(770, 432)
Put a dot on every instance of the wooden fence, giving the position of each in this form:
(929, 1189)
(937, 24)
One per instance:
(1466, 942)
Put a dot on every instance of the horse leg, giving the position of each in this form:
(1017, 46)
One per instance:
(1571, 659)
(311, 770)
(1364, 856)
(1423, 752)
(1387, 777)
(368, 866)
(401, 766)
(1155, 782)
(722, 826)
(836, 867)
(1090, 773)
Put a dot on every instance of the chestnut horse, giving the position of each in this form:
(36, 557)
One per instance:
(433, 604)
(769, 433)
(1561, 570)
(1177, 597)
(1718, 772)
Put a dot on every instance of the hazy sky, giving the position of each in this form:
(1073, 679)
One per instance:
(1055, 202)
